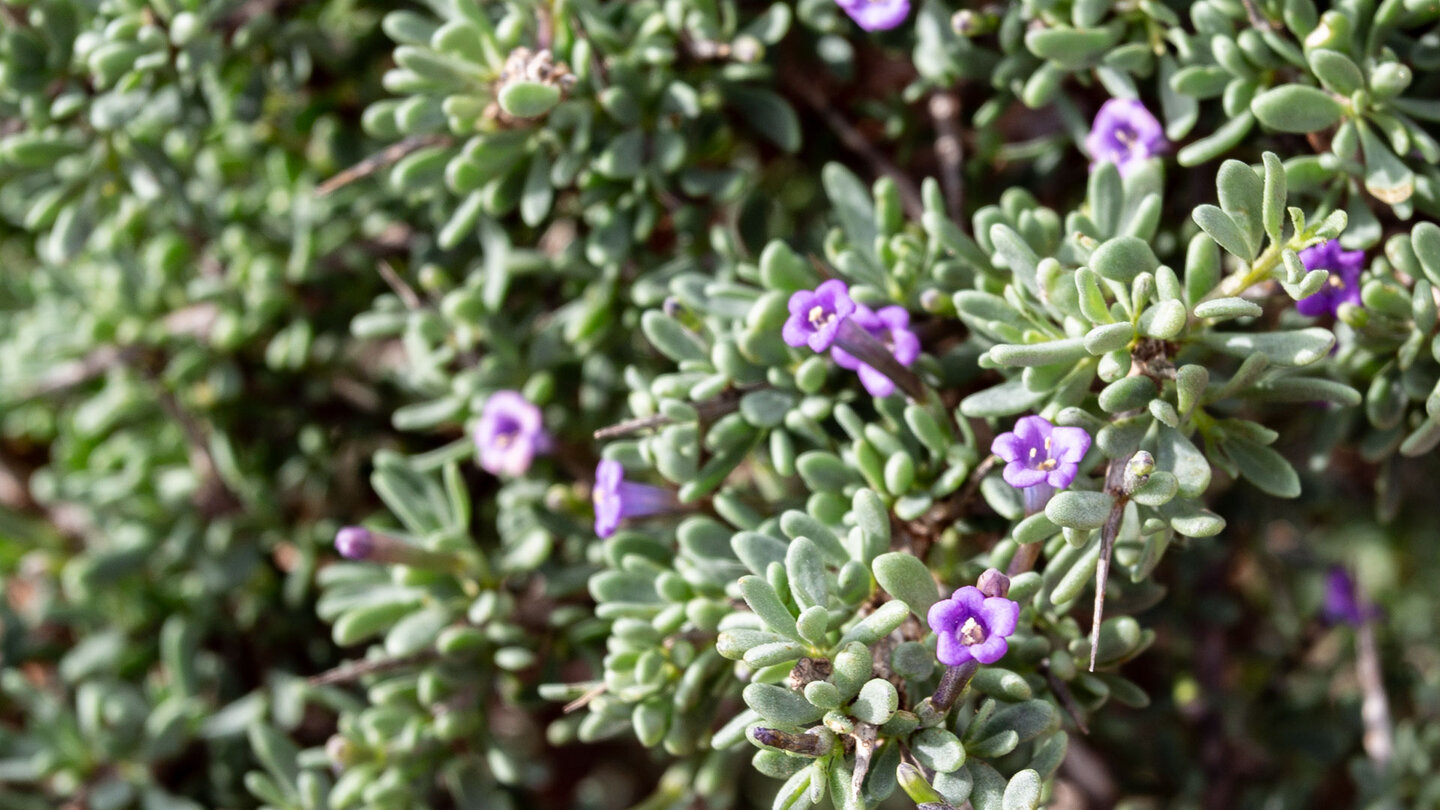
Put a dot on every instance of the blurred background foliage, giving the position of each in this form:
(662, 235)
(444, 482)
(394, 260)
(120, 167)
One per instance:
(263, 262)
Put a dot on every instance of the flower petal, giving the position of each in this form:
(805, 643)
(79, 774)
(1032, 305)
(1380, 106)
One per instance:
(796, 331)
(876, 383)
(1033, 430)
(990, 650)
(876, 15)
(951, 652)
(1000, 615)
(945, 616)
(971, 599)
(1009, 446)
(1069, 444)
(1314, 306)
(1018, 475)
(1062, 476)
(843, 358)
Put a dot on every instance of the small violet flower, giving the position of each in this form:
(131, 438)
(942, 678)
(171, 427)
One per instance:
(1343, 285)
(1038, 453)
(891, 326)
(876, 15)
(815, 316)
(510, 433)
(354, 542)
(1124, 133)
(1342, 601)
(616, 499)
(973, 626)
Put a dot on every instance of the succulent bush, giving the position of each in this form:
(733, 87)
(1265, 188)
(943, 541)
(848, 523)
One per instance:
(696, 403)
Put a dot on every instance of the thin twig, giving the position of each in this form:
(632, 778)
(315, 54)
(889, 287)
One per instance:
(201, 456)
(406, 293)
(1379, 739)
(976, 477)
(710, 409)
(1115, 486)
(355, 670)
(1067, 701)
(635, 425)
(1257, 19)
(388, 156)
(856, 142)
(584, 700)
(87, 368)
(945, 109)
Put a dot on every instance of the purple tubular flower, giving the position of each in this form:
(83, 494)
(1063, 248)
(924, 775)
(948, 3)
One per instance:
(354, 542)
(510, 433)
(616, 499)
(876, 15)
(891, 326)
(1343, 285)
(1038, 453)
(1343, 604)
(815, 317)
(1124, 133)
(973, 626)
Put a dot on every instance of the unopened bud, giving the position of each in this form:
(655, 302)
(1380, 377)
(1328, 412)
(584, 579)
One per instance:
(1137, 470)
(360, 543)
(355, 542)
(340, 751)
(993, 583)
(912, 781)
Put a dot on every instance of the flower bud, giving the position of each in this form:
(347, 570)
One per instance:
(993, 583)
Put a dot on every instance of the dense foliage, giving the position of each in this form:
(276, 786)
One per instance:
(714, 403)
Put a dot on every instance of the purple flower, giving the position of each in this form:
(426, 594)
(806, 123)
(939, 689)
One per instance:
(816, 316)
(1124, 133)
(509, 434)
(616, 499)
(1040, 453)
(876, 15)
(973, 626)
(1343, 604)
(354, 542)
(891, 326)
(1343, 285)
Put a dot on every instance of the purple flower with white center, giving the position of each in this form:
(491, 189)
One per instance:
(616, 499)
(1124, 133)
(973, 626)
(354, 542)
(1343, 285)
(891, 326)
(1039, 453)
(815, 316)
(876, 15)
(510, 433)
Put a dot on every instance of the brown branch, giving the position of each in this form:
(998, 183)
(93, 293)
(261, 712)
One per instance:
(949, 151)
(215, 497)
(388, 156)
(355, 670)
(404, 291)
(79, 372)
(855, 141)
(1114, 486)
(1067, 701)
(710, 409)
